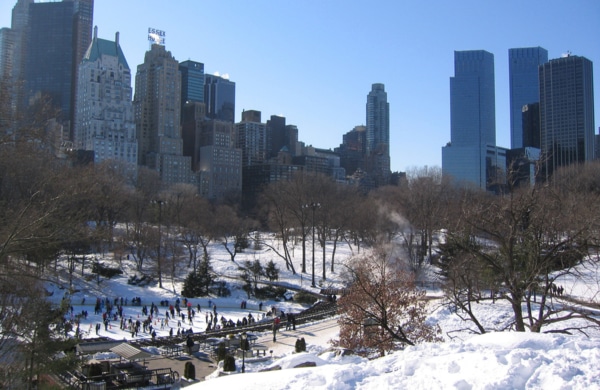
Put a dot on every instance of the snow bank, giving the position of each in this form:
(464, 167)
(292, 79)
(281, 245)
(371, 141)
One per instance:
(507, 360)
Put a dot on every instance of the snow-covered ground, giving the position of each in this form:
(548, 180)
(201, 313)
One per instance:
(499, 360)
(506, 360)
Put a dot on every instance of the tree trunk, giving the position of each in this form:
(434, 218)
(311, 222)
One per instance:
(518, 311)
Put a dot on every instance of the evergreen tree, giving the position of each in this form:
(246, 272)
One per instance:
(271, 271)
(197, 284)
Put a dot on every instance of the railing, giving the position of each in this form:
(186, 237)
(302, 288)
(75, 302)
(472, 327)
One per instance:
(316, 312)
(160, 378)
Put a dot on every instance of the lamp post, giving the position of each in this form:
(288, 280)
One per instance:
(244, 338)
(160, 203)
(97, 270)
(313, 206)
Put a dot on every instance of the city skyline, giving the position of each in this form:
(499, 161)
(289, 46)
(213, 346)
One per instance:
(313, 63)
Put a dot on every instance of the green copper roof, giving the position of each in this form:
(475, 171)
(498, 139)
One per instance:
(109, 48)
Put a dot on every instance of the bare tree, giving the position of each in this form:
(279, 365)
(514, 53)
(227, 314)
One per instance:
(418, 207)
(290, 207)
(526, 240)
(230, 226)
(39, 201)
(138, 237)
(383, 310)
(195, 229)
(278, 219)
(108, 195)
(363, 223)
(347, 199)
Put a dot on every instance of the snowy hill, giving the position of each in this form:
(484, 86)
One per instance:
(501, 360)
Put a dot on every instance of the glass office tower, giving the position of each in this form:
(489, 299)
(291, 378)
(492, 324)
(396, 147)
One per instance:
(566, 111)
(192, 81)
(473, 99)
(523, 66)
(471, 153)
(59, 34)
(219, 96)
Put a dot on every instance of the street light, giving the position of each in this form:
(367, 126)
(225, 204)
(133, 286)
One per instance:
(244, 338)
(313, 206)
(160, 203)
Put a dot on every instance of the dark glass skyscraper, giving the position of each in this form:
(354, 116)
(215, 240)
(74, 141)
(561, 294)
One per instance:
(58, 36)
(219, 96)
(566, 111)
(275, 135)
(523, 66)
(530, 118)
(192, 81)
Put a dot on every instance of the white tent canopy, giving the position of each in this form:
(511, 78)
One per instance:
(129, 352)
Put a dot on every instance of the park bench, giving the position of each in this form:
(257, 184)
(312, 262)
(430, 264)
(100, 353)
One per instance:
(171, 350)
(259, 348)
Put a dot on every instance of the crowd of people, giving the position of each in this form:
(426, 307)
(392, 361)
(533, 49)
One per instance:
(175, 318)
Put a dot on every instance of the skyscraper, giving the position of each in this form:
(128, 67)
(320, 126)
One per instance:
(352, 151)
(472, 156)
(251, 138)
(473, 99)
(275, 135)
(7, 92)
(219, 96)
(378, 134)
(566, 111)
(192, 82)
(208, 104)
(7, 50)
(58, 35)
(104, 112)
(12, 54)
(523, 66)
(530, 121)
(18, 25)
(157, 110)
(220, 162)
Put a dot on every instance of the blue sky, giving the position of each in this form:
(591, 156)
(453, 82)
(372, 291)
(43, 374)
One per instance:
(314, 61)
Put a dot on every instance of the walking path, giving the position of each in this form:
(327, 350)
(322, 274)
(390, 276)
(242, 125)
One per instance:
(315, 333)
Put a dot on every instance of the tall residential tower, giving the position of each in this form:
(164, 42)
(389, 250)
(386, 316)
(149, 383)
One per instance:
(378, 134)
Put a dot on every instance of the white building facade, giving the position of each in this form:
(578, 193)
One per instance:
(104, 119)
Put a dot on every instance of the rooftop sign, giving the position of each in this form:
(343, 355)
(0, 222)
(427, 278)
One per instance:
(156, 36)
